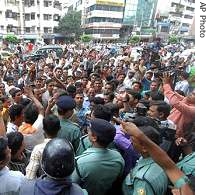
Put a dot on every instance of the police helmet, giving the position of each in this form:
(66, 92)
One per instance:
(58, 158)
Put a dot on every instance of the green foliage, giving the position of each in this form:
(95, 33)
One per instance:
(86, 38)
(134, 39)
(173, 39)
(11, 39)
(69, 25)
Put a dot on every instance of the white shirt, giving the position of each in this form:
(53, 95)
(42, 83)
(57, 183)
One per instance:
(183, 86)
(128, 82)
(10, 180)
(11, 127)
(35, 160)
(45, 97)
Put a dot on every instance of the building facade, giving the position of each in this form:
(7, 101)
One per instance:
(101, 18)
(30, 19)
(177, 17)
(139, 17)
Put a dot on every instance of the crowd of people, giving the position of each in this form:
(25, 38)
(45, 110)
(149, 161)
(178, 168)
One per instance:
(99, 121)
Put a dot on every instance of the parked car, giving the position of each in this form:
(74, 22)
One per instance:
(44, 51)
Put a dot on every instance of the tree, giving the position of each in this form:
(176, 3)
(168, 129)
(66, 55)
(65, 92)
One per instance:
(86, 38)
(11, 39)
(134, 39)
(69, 25)
(173, 39)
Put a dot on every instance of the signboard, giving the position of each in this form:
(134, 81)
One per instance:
(110, 2)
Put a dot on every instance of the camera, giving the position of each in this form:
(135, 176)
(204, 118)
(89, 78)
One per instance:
(128, 116)
(141, 110)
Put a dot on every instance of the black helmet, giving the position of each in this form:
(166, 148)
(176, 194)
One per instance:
(58, 158)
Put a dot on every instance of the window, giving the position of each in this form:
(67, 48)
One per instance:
(27, 29)
(47, 3)
(105, 8)
(164, 29)
(9, 28)
(15, 29)
(47, 17)
(27, 17)
(190, 9)
(188, 16)
(185, 25)
(49, 30)
(29, 3)
(32, 16)
(32, 3)
(11, 2)
(102, 31)
(78, 3)
(8, 14)
(56, 17)
(45, 30)
(14, 15)
(104, 19)
(33, 29)
(57, 5)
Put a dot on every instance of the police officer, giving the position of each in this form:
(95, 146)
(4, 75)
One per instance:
(69, 130)
(147, 177)
(98, 167)
(99, 111)
(57, 163)
(187, 162)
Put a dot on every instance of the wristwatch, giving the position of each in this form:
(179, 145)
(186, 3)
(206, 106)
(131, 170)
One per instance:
(181, 181)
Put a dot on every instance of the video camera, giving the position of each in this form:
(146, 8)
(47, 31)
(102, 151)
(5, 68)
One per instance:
(137, 111)
(173, 70)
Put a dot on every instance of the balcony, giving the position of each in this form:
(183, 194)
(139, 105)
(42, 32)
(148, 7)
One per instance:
(176, 10)
(13, 7)
(104, 25)
(186, 20)
(31, 23)
(11, 22)
(50, 10)
(31, 9)
(187, 12)
(101, 13)
(49, 23)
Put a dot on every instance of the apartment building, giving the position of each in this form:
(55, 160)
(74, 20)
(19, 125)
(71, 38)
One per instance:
(176, 17)
(30, 19)
(101, 18)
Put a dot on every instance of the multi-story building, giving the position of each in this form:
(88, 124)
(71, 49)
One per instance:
(176, 17)
(30, 19)
(101, 18)
(139, 17)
